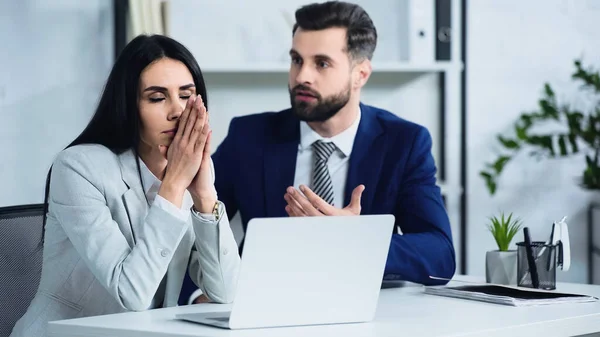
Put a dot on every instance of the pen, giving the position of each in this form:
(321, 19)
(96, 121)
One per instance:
(551, 253)
(530, 258)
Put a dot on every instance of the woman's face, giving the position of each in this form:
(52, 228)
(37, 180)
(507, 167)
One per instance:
(165, 87)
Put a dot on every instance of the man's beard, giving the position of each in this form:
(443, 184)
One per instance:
(322, 109)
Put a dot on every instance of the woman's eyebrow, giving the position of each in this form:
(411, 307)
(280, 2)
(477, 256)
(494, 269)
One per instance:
(163, 89)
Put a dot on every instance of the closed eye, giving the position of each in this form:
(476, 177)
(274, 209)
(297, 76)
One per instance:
(160, 99)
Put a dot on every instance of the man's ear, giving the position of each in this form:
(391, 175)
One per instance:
(362, 72)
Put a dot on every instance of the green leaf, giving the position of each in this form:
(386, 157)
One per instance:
(526, 118)
(548, 90)
(489, 181)
(544, 141)
(508, 143)
(562, 144)
(549, 110)
(574, 121)
(503, 229)
(589, 161)
(573, 142)
(521, 132)
(500, 163)
(491, 185)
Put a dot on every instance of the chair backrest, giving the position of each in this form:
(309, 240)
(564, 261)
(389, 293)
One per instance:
(20, 261)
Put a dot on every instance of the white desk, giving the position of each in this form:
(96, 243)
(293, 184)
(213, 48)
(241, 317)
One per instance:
(404, 311)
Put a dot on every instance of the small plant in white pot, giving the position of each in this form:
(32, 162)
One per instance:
(501, 264)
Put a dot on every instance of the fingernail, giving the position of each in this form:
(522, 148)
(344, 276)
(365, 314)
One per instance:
(302, 188)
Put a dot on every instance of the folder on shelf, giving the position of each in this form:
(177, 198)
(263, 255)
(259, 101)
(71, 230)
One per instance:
(443, 30)
(421, 31)
(508, 295)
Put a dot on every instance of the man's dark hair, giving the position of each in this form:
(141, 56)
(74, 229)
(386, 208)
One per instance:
(361, 34)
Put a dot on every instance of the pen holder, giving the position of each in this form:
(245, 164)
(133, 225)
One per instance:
(545, 256)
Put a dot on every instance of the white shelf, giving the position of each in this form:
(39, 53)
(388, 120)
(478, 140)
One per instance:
(449, 190)
(406, 67)
(279, 68)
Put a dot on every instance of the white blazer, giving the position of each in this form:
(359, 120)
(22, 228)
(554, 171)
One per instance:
(106, 251)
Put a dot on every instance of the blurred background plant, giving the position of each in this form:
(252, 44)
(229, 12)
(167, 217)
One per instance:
(582, 133)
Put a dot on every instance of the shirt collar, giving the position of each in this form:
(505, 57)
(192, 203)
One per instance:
(344, 141)
(151, 183)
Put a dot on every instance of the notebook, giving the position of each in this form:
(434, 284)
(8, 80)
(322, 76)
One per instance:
(507, 295)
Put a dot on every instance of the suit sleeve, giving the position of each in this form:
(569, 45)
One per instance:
(225, 163)
(130, 274)
(425, 247)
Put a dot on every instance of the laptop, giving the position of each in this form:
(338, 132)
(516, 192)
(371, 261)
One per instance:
(298, 271)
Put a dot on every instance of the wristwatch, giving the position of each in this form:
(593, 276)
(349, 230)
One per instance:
(215, 210)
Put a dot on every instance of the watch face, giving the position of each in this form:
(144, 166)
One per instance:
(216, 209)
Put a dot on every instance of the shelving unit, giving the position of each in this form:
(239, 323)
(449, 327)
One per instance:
(279, 68)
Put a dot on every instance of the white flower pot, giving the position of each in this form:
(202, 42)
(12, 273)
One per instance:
(501, 267)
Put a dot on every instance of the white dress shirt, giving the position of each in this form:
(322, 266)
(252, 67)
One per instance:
(151, 186)
(338, 162)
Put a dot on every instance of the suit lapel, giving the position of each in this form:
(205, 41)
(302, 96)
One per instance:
(366, 159)
(134, 200)
(280, 163)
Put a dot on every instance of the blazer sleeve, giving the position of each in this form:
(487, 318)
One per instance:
(425, 247)
(130, 274)
(215, 262)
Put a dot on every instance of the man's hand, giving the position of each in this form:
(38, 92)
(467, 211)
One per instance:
(306, 203)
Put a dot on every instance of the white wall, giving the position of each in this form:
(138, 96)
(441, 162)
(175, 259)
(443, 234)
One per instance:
(514, 47)
(54, 60)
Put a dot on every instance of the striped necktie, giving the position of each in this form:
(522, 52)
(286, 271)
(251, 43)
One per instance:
(321, 183)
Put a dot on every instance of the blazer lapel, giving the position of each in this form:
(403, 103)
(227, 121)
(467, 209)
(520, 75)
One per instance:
(137, 208)
(366, 158)
(134, 200)
(280, 163)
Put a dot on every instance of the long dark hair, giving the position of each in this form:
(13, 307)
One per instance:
(116, 122)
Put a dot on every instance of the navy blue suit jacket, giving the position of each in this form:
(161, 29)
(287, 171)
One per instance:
(391, 156)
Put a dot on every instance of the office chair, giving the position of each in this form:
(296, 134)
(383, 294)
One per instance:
(20, 261)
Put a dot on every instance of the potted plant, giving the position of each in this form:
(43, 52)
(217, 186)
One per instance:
(577, 131)
(557, 130)
(501, 264)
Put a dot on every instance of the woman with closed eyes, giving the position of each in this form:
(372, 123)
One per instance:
(131, 204)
